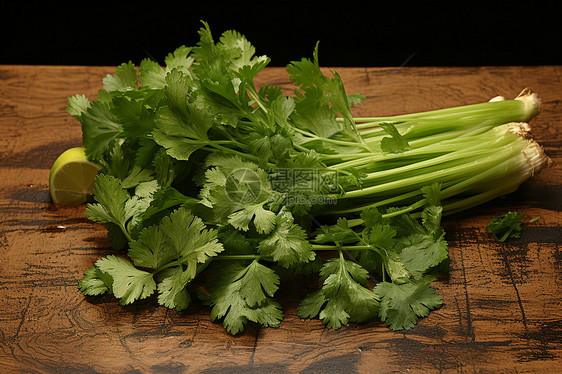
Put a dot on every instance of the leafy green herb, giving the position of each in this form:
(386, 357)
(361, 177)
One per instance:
(406, 254)
(240, 294)
(506, 226)
(402, 304)
(129, 283)
(343, 296)
(287, 244)
(213, 185)
(95, 282)
(396, 142)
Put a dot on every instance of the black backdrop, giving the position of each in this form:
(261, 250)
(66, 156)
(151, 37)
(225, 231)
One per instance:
(350, 33)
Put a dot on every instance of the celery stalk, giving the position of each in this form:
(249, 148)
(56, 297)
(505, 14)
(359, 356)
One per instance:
(477, 152)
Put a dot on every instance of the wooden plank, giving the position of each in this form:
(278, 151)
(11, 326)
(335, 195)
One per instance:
(502, 312)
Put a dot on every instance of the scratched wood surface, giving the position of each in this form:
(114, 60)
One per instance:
(502, 312)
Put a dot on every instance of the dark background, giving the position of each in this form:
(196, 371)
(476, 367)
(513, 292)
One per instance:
(351, 33)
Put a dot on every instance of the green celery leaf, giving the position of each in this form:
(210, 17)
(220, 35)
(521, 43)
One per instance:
(421, 253)
(111, 199)
(343, 296)
(432, 193)
(396, 143)
(229, 301)
(307, 74)
(238, 190)
(401, 305)
(124, 78)
(205, 45)
(134, 208)
(181, 127)
(135, 118)
(95, 282)
(287, 244)
(163, 200)
(506, 226)
(192, 242)
(382, 236)
(152, 249)
(136, 176)
(431, 219)
(151, 74)
(264, 220)
(240, 51)
(355, 99)
(339, 233)
(129, 283)
(258, 283)
(235, 242)
(371, 216)
(171, 290)
(172, 133)
(312, 304)
(77, 105)
(100, 129)
(315, 115)
(180, 60)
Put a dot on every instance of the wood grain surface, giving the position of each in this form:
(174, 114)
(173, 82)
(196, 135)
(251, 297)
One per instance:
(503, 303)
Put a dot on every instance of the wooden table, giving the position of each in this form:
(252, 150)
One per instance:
(502, 312)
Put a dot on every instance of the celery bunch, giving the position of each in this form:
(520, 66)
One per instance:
(212, 186)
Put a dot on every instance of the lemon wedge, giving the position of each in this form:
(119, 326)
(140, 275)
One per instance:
(72, 177)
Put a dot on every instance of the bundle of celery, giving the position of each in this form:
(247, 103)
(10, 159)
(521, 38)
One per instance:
(212, 186)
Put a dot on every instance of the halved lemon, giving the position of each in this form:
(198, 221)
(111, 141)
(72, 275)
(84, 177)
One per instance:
(72, 177)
